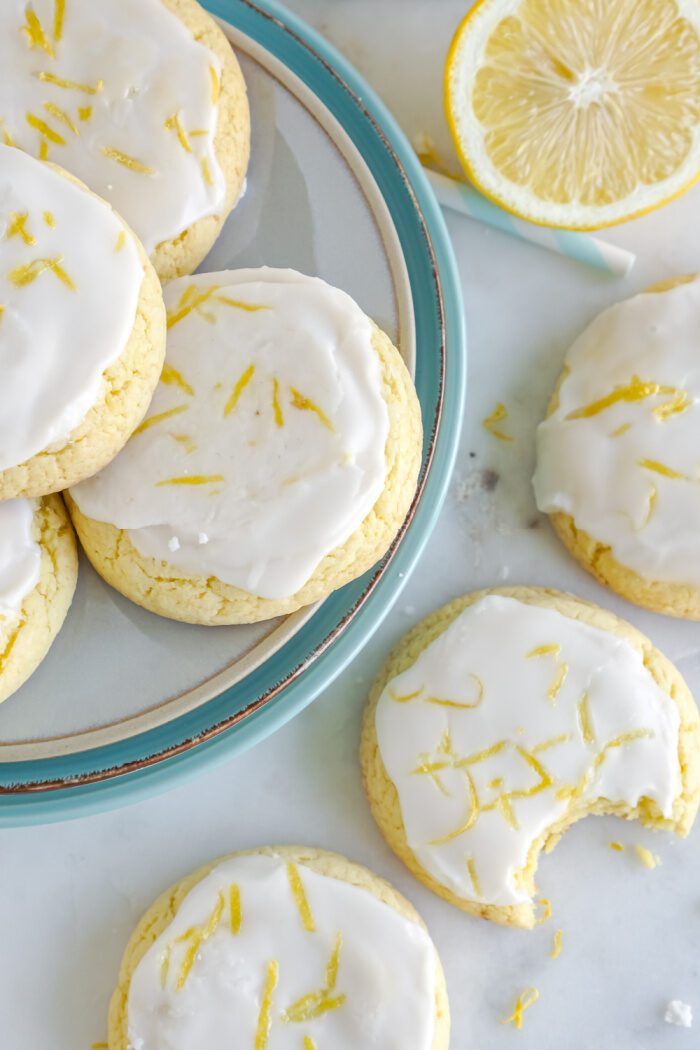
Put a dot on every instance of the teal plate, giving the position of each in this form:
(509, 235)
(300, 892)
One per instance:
(335, 189)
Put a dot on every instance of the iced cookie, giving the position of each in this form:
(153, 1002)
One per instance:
(281, 949)
(277, 461)
(618, 468)
(141, 99)
(38, 573)
(82, 329)
(504, 717)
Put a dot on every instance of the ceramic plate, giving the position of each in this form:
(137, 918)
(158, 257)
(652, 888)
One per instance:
(126, 702)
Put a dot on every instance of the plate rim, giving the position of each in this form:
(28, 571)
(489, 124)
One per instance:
(42, 800)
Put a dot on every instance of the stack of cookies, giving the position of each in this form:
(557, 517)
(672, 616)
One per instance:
(230, 446)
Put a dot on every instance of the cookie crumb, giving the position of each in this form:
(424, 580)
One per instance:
(679, 1013)
(648, 859)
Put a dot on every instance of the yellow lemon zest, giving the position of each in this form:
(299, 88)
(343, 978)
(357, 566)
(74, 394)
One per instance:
(314, 1004)
(206, 171)
(547, 910)
(241, 384)
(249, 307)
(309, 1044)
(584, 720)
(195, 941)
(191, 300)
(60, 114)
(49, 219)
(524, 1001)
(59, 15)
(619, 431)
(297, 888)
(28, 273)
(175, 124)
(563, 738)
(678, 404)
(661, 468)
(120, 242)
(171, 377)
(192, 479)
(552, 649)
(158, 418)
(557, 682)
(6, 137)
(651, 507)
(70, 85)
(557, 945)
(126, 161)
(276, 407)
(441, 702)
(617, 846)
(44, 129)
(215, 85)
(499, 413)
(18, 227)
(471, 868)
(305, 404)
(404, 699)
(474, 811)
(165, 967)
(236, 912)
(34, 31)
(636, 390)
(648, 859)
(262, 1033)
(43, 149)
(84, 112)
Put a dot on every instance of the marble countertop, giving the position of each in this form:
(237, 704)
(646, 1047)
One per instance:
(70, 894)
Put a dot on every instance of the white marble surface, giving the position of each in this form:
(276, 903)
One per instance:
(70, 894)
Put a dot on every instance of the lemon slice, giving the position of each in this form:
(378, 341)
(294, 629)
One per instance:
(577, 113)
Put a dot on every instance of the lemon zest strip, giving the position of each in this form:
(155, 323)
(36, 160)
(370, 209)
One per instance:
(35, 34)
(192, 479)
(238, 389)
(50, 219)
(215, 85)
(557, 945)
(262, 1033)
(158, 418)
(584, 720)
(300, 899)
(170, 376)
(236, 912)
(524, 1001)
(175, 124)
(18, 227)
(70, 85)
(617, 846)
(28, 273)
(60, 114)
(58, 17)
(44, 129)
(661, 468)
(126, 161)
(499, 413)
(552, 649)
(305, 404)
(276, 407)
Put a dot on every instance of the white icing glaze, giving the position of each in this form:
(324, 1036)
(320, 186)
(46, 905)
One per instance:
(59, 329)
(610, 482)
(151, 70)
(290, 484)
(384, 991)
(20, 562)
(487, 646)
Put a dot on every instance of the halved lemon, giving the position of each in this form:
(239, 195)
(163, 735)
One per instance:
(577, 113)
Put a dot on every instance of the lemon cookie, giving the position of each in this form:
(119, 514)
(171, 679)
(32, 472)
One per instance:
(506, 716)
(618, 469)
(38, 573)
(281, 948)
(277, 462)
(82, 329)
(143, 100)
